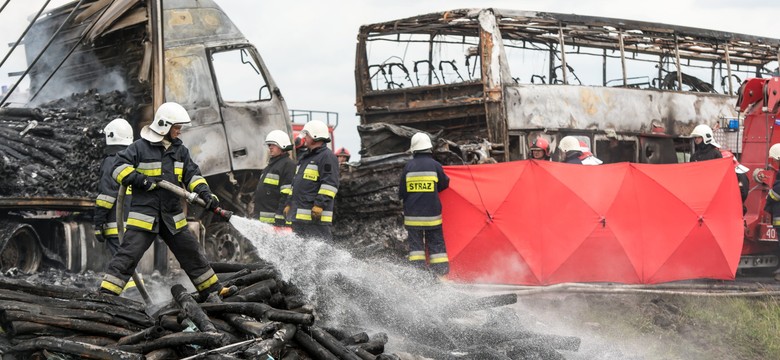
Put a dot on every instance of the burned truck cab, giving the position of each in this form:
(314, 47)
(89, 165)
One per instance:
(151, 52)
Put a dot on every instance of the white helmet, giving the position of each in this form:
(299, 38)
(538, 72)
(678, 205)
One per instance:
(569, 143)
(774, 151)
(705, 132)
(420, 142)
(118, 132)
(317, 129)
(167, 115)
(280, 139)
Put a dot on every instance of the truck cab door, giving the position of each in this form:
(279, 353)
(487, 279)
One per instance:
(249, 102)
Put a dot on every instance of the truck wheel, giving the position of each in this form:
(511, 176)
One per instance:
(20, 249)
(225, 244)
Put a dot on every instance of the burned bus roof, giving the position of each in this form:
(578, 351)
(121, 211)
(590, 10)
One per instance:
(590, 31)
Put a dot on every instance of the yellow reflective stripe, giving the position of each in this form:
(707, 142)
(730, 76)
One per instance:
(140, 223)
(111, 231)
(439, 258)
(303, 214)
(776, 221)
(140, 220)
(104, 204)
(205, 285)
(270, 181)
(267, 217)
(416, 255)
(774, 195)
(180, 220)
(111, 287)
(195, 181)
(326, 219)
(150, 172)
(121, 172)
(422, 178)
(129, 190)
(422, 220)
(130, 284)
(286, 190)
(328, 190)
(98, 232)
(312, 172)
(178, 169)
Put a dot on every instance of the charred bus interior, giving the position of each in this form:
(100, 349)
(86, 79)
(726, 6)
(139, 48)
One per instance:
(512, 76)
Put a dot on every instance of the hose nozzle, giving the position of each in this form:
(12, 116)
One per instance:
(225, 214)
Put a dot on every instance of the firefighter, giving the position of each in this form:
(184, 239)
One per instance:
(314, 186)
(343, 155)
(160, 155)
(587, 157)
(540, 149)
(119, 134)
(275, 183)
(773, 198)
(742, 179)
(570, 150)
(421, 181)
(704, 144)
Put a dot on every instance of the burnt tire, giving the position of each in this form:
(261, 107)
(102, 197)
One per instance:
(20, 248)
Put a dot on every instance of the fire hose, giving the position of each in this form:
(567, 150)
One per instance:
(179, 191)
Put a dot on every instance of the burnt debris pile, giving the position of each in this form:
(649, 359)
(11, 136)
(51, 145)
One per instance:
(369, 214)
(264, 317)
(55, 149)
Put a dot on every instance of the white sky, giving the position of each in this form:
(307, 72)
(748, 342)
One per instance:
(309, 46)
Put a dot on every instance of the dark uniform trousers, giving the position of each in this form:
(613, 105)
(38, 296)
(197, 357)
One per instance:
(432, 242)
(183, 245)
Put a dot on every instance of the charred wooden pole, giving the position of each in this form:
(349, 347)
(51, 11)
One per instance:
(362, 353)
(74, 348)
(313, 348)
(332, 344)
(90, 327)
(260, 311)
(161, 354)
(192, 309)
(62, 292)
(149, 333)
(253, 277)
(280, 338)
(205, 339)
(247, 326)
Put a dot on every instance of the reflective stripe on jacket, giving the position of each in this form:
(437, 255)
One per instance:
(421, 181)
(273, 189)
(173, 165)
(105, 213)
(315, 183)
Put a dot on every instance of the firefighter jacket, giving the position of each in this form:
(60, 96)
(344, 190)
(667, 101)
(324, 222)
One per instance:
(273, 189)
(105, 214)
(773, 202)
(706, 152)
(421, 181)
(144, 159)
(573, 157)
(315, 183)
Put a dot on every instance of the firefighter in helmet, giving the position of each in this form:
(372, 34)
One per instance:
(160, 155)
(119, 134)
(773, 198)
(343, 155)
(275, 183)
(587, 157)
(314, 185)
(570, 150)
(421, 181)
(704, 144)
(540, 149)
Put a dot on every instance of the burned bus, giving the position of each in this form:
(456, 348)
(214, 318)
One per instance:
(630, 90)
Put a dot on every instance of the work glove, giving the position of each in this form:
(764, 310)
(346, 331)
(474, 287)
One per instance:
(146, 183)
(316, 213)
(211, 200)
(99, 233)
(286, 211)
